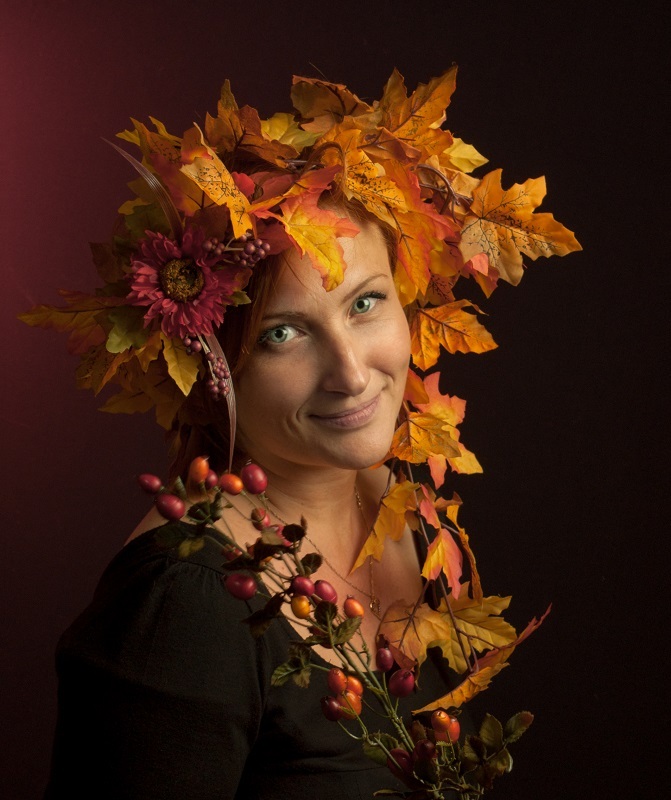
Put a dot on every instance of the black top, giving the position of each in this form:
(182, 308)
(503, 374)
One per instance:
(165, 695)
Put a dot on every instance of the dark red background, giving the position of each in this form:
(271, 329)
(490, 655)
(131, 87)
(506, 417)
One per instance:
(565, 416)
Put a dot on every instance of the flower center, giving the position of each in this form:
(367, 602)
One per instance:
(181, 279)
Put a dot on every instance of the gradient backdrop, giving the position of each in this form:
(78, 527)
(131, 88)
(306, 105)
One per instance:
(563, 417)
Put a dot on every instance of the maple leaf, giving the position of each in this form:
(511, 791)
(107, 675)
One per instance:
(502, 224)
(209, 174)
(451, 508)
(444, 556)
(324, 104)
(314, 231)
(390, 521)
(422, 435)
(225, 130)
(80, 318)
(412, 629)
(283, 128)
(473, 684)
(449, 325)
(462, 156)
(98, 367)
(414, 389)
(407, 116)
(451, 411)
(363, 179)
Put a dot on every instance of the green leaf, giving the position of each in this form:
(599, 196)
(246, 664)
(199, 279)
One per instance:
(295, 668)
(311, 563)
(240, 298)
(517, 725)
(179, 489)
(474, 749)
(128, 329)
(502, 762)
(344, 632)
(491, 733)
(372, 749)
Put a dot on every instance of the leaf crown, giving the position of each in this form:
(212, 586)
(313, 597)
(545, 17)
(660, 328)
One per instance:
(209, 204)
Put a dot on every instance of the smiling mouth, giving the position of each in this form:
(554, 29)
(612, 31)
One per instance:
(351, 418)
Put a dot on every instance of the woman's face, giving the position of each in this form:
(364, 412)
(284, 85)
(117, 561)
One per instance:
(325, 380)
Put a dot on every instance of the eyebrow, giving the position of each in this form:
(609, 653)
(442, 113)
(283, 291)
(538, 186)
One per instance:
(291, 314)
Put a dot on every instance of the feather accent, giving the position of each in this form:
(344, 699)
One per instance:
(215, 348)
(162, 196)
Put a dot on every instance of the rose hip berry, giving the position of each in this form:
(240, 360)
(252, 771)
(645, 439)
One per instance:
(352, 607)
(384, 660)
(401, 683)
(260, 518)
(336, 680)
(446, 726)
(170, 506)
(300, 606)
(149, 483)
(424, 750)
(211, 480)
(399, 762)
(254, 478)
(331, 708)
(230, 483)
(350, 703)
(324, 590)
(302, 585)
(198, 469)
(241, 586)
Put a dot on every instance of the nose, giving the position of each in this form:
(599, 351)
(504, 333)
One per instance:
(344, 365)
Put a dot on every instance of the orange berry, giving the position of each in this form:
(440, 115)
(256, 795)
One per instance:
(301, 606)
(199, 469)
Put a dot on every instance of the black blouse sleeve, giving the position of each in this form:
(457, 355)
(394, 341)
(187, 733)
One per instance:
(160, 695)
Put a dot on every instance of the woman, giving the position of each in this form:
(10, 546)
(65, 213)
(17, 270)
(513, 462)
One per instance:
(358, 229)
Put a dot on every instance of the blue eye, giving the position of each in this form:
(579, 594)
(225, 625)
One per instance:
(363, 304)
(279, 335)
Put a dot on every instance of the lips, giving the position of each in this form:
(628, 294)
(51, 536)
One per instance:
(351, 417)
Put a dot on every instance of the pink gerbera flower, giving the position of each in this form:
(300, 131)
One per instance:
(179, 285)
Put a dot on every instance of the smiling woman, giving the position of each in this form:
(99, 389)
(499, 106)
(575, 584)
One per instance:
(270, 287)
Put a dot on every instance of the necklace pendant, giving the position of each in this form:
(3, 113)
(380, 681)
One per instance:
(374, 606)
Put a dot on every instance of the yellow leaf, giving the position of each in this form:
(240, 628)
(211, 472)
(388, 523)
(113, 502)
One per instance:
(422, 435)
(324, 103)
(314, 231)
(465, 691)
(282, 127)
(413, 630)
(462, 156)
(502, 224)
(449, 325)
(183, 368)
(390, 520)
(209, 174)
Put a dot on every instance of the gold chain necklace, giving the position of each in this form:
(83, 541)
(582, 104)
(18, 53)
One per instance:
(374, 600)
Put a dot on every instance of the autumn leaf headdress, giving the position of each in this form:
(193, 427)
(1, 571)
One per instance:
(210, 204)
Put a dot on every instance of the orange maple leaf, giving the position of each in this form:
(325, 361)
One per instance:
(444, 556)
(502, 224)
(314, 231)
(449, 325)
(209, 174)
(422, 435)
(390, 520)
(80, 318)
(412, 630)
(451, 411)
(473, 684)
(322, 104)
(406, 116)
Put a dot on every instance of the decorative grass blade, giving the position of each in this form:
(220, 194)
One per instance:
(162, 196)
(215, 347)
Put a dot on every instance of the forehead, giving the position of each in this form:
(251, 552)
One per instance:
(298, 285)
